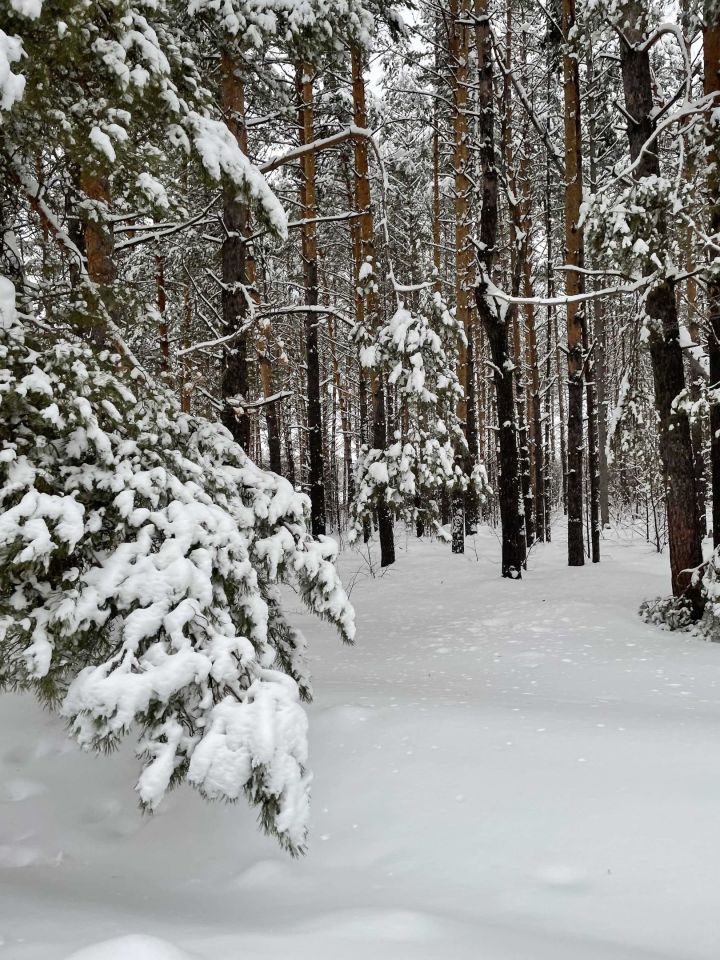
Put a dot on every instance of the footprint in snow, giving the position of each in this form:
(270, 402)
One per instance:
(562, 876)
(18, 789)
(101, 811)
(14, 856)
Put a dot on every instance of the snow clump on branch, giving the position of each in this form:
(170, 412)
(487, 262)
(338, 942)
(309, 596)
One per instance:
(140, 557)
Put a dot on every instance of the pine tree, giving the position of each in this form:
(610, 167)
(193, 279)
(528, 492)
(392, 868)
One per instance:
(416, 353)
(140, 550)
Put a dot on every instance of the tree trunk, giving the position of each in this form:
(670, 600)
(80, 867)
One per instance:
(271, 414)
(472, 504)
(262, 347)
(458, 50)
(367, 244)
(436, 210)
(162, 308)
(495, 319)
(308, 212)
(551, 338)
(684, 536)
(574, 285)
(99, 246)
(186, 385)
(593, 459)
(599, 324)
(289, 452)
(549, 431)
(235, 381)
(522, 427)
(711, 56)
(600, 375)
(534, 411)
(342, 401)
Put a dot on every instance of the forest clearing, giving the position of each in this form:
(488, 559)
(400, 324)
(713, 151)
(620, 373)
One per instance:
(497, 778)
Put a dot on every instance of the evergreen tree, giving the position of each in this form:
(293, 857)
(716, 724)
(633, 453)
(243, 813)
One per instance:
(140, 553)
(416, 353)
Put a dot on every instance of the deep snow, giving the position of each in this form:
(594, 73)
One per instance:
(503, 771)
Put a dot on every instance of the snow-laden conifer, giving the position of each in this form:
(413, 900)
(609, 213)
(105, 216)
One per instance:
(141, 558)
(416, 353)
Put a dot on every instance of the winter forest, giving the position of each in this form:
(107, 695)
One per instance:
(359, 472)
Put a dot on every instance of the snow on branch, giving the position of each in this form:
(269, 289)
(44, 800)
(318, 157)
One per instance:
(140, 552)
(326, 143)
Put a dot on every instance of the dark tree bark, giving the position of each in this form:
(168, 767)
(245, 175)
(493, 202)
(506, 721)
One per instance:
(551, 353)
(600, 375)
(271, 414)
(98, 246)
(711, 56)
(436, 208)
(472, 506)
(535, 413)
(316, 480)
(235, 382)
(574, 285)
(684, 535)
(367, 253)
(262, 346)
(593, 454)
(289, 452)
(185, 367)
(495, 319)
(385, 525)
(522, 428)
(599, 327)
(162, 307)
(458, 51)
(549, 433)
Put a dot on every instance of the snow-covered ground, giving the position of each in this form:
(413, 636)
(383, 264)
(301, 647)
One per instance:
(503, 771)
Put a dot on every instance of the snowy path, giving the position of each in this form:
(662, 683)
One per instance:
(503, 771)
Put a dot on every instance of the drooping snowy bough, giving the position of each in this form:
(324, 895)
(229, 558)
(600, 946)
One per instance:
(140, 557)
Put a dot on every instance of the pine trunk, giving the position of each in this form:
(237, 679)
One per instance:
(436, 209)
(186, 384)
(308, 211)
(494, 319)
(458, 50)
(235, 381)
(684, 535)
(593, 458)
(99, 246)
(711, 55)
(534, 412)
(262, 347)
(367, 245)
(599, 327)
(574, 285)
(162, 308)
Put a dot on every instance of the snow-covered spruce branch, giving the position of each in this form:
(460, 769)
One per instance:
(31, 189)
(152, 233)
(243, 405)
(264, 312)
(140, 551)
(326, 143)
(561, 300)
(219, 341)
(690, 109)
(299, 224)
(528, 107)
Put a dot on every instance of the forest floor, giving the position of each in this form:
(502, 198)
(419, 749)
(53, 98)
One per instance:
(503, 771)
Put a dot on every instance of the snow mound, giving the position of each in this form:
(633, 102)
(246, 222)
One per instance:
(134, 947)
